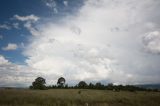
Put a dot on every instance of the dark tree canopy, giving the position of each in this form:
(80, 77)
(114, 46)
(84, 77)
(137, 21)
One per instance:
(40, 80)
(39, 83)
(82, 84)
(61, 81)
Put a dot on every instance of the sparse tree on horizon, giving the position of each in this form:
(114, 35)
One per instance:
(39, 83)
(82, 84)
(61, 81)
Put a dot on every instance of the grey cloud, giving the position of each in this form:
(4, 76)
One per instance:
(76, 30)
(151, 42)
(115, 29)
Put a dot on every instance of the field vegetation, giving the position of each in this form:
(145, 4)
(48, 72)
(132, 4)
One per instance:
(77, 97)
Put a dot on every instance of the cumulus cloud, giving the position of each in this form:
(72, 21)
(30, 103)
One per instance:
(10, 46)
(31, 17)
(108, 47)
(3, 60)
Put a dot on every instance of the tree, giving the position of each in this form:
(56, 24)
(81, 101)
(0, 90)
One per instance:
(39, 83)
(66, 86)
(110, 86)
(82, 84)
(91, 86)
(98, 85)
(61, 81)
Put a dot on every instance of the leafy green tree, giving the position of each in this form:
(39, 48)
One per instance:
(39, 83)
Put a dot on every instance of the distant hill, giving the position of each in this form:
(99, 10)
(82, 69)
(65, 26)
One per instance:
(149, 86)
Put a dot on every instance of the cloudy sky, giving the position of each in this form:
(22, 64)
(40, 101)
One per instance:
(114, 41)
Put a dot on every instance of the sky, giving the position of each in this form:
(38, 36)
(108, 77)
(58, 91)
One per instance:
(108, 41)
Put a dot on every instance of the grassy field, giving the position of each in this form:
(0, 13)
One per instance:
(77, 97)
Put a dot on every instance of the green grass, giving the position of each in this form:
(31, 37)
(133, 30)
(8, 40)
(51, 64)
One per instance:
(72, 97)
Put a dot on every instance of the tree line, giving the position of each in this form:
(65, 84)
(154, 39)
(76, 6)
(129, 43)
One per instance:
(40, 83)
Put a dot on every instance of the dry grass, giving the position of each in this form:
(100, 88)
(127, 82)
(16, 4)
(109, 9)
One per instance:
(72, 97)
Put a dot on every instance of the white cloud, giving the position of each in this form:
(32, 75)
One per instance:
(28, 23)
(4, 26)
(3, 60)
(13, 75)
(31, 29)
(31, 17)
(52, 5)
(108, 45)
(10, 46)
(101, 42)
